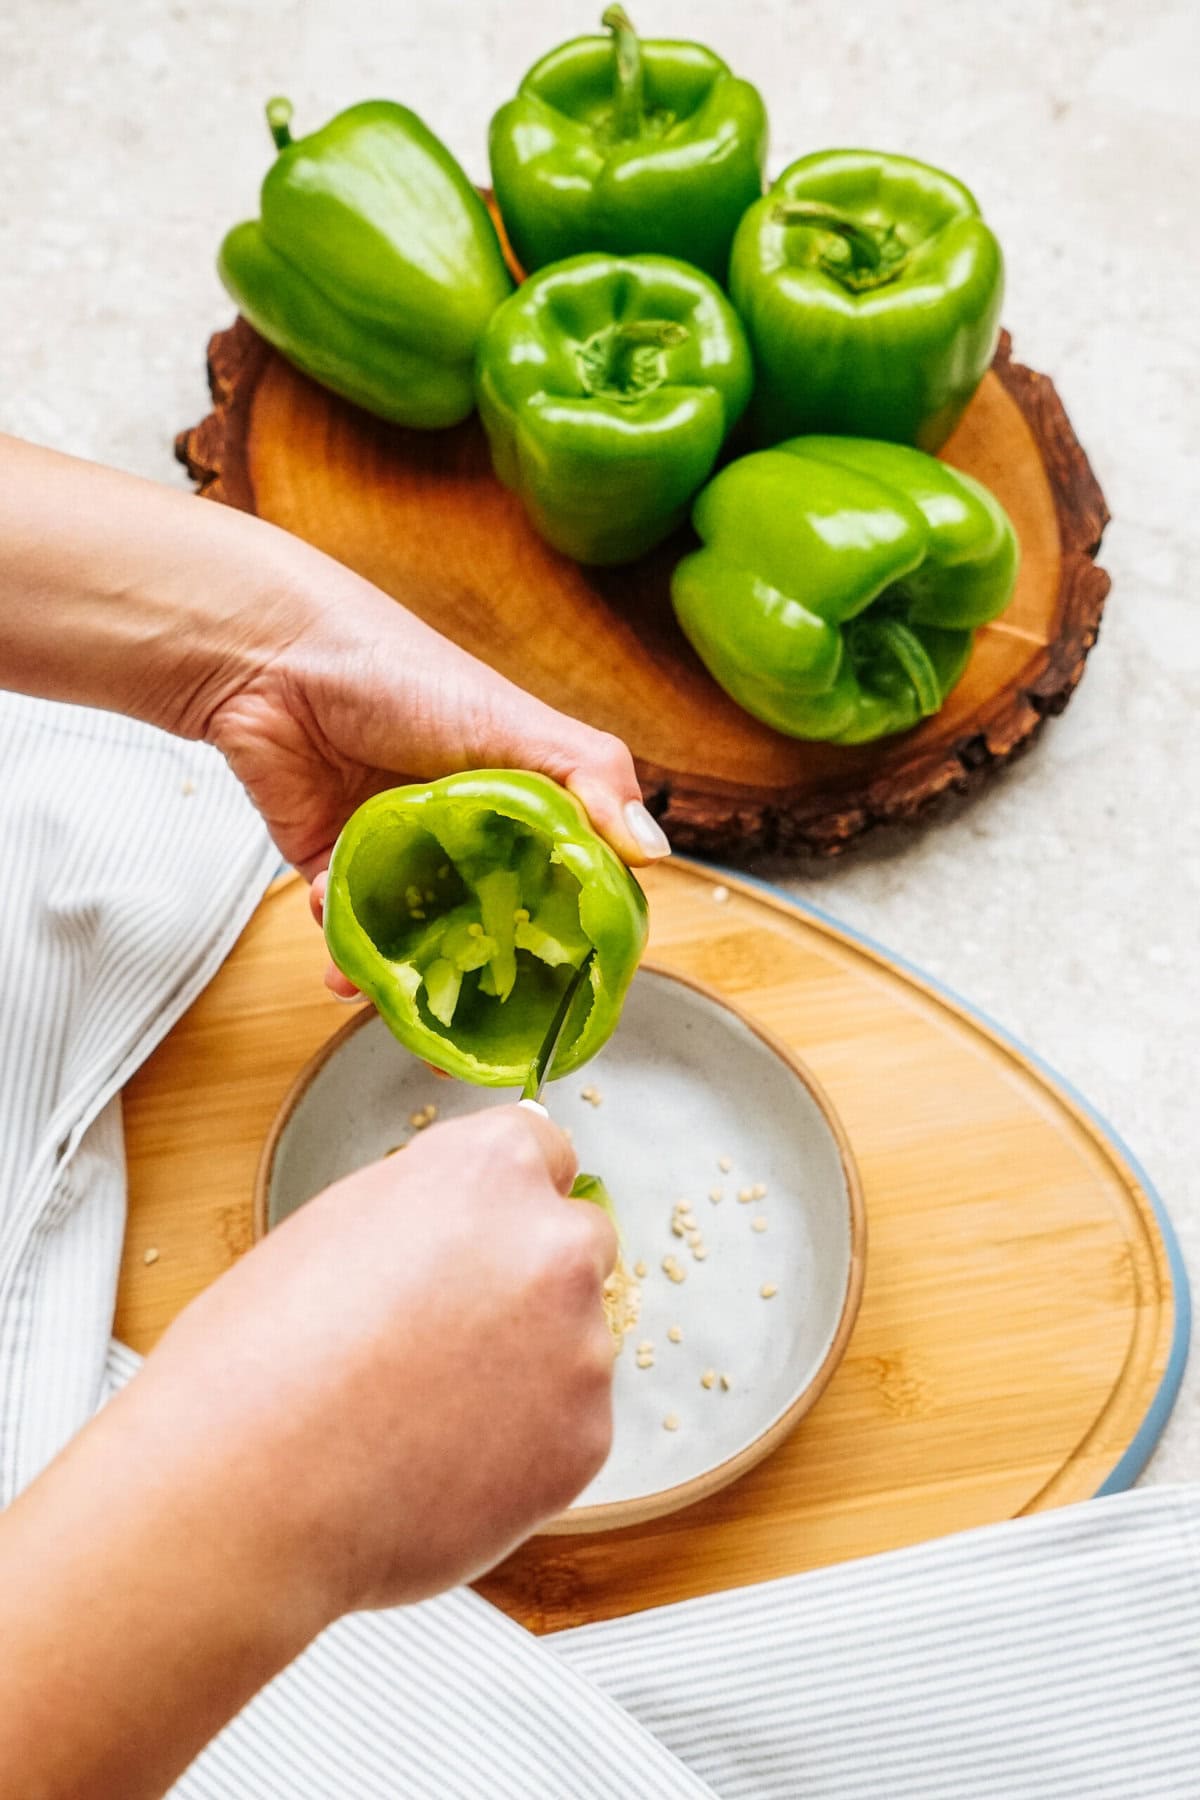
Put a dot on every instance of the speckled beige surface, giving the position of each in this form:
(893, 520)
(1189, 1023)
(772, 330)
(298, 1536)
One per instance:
(1065, 901)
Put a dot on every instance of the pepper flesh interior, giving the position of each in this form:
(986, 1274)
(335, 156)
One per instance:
(480, 922)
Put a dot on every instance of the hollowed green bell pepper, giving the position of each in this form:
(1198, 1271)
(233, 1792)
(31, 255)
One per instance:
(608, 386)
(870, 288)
(840, 582)
(375, 265)
(462, 908)
(622, 145)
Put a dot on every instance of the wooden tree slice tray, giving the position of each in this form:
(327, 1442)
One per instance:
(1024, 1319)
(421, 514)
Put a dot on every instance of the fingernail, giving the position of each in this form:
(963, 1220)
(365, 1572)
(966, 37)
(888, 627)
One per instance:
(331, 975)
(646, 831)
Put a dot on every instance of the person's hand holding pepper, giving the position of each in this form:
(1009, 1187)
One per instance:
(317, 687)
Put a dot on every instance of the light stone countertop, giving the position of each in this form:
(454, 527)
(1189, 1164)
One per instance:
(1065, 900)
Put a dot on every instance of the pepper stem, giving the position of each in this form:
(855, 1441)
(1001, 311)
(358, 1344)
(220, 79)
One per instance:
(864, 244)
(622, 362)
(911, 654)
(279, 120)
(629, 79)
(633, 365)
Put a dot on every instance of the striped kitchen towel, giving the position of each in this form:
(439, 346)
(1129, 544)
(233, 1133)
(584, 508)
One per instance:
(1052, 1658)
(131, 863)
(1059, 1656)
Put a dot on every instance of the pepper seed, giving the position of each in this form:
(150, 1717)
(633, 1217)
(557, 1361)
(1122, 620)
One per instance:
(675, 1333)
(768, 1290)
(671, 1422)
(709, 1378)
(759, 1224)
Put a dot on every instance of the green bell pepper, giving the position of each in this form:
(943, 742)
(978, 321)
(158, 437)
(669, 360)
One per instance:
(625, 146)
(840, 582)
(375, 265)
(462, 909)
(870, 289)
(608, 386)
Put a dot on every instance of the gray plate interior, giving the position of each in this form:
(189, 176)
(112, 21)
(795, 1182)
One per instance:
(684, 1083)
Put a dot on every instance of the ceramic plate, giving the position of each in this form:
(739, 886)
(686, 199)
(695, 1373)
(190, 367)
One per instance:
(687, 1084)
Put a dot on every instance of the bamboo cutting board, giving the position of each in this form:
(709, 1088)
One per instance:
(1019, 1318)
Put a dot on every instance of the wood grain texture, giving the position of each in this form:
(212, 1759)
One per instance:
(420, 514)
(1018, 1311)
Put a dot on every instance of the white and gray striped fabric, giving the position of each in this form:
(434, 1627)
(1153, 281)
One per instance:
(1059, 1656)
(131, 862)
(1054, 1658)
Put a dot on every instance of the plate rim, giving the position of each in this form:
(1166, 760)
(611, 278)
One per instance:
(612, 1515)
